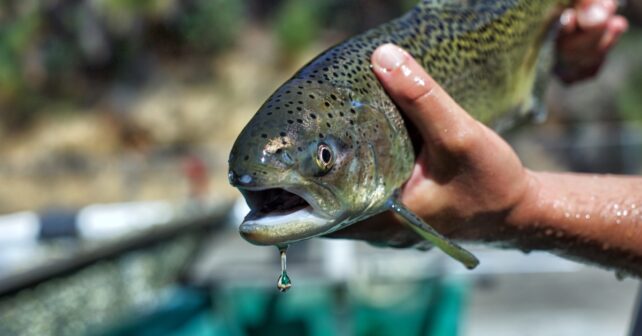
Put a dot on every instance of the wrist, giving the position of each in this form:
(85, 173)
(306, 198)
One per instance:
(522, 214)
(504, 226)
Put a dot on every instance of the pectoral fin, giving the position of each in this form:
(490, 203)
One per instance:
(430, 234)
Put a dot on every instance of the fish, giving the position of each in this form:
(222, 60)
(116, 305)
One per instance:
(330, 148)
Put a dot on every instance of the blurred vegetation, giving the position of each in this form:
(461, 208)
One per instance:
(210, 25)
(70, 49)
(69, 52)
(298, 23)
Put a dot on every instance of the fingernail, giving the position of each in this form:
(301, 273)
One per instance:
(567, 16)
(593, 15)
(388, 58)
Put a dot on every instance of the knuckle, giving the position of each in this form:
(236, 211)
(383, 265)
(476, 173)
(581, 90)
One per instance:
(462, 140)
(423, 96)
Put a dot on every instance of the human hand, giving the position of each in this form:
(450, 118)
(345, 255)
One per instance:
(589, 29)
(465, 179)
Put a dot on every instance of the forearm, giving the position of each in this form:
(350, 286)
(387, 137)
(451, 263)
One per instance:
(594, 218)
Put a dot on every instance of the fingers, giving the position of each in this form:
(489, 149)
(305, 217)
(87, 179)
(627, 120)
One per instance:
(568, 19)
(589, 31)
(437, 116)
(592, 21)
(594, 14)
(615, 28)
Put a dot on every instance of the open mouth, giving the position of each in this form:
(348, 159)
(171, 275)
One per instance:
(278, 216)
(273, 202)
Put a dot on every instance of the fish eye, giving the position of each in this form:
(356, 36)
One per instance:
(325, 157)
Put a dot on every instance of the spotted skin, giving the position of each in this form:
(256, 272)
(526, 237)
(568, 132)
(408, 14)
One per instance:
(484, 53)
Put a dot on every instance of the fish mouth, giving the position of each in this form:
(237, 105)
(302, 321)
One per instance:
(279, 216)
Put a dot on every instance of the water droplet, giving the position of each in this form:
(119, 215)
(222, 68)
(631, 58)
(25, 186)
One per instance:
(283, 283)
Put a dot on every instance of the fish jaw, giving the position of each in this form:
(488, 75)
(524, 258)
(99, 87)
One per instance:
(283, 216)
(286, 228)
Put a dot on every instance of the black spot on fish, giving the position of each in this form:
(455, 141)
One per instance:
(264, 136)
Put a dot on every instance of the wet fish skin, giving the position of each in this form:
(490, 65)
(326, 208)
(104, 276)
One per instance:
(484, 53)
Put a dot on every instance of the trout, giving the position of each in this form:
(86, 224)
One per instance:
(329, 148)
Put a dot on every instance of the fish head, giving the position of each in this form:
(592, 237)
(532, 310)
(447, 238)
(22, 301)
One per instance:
(295, 165)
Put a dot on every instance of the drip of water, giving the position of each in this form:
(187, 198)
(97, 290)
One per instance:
(284, 283)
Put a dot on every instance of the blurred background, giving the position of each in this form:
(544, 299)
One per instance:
(116, 120)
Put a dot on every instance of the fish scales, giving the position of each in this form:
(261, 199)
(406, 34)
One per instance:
(331, 139)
